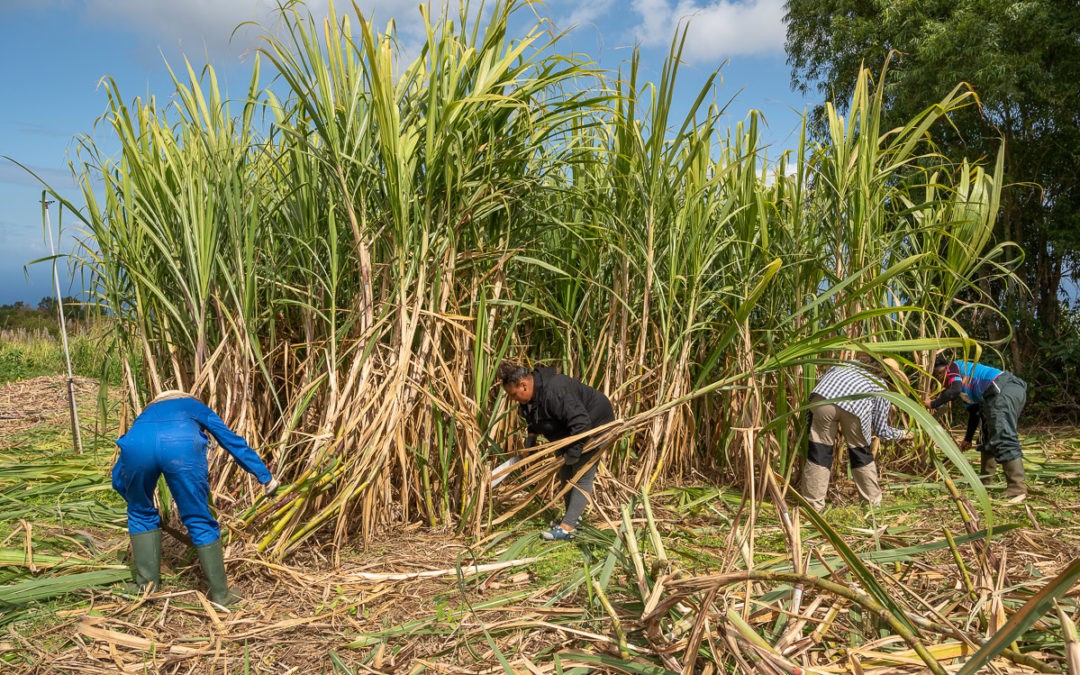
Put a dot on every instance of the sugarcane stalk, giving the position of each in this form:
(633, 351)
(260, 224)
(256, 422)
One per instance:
(654, 534)
(861, 598)
(964, 576)
(1072, 640)
(616, 624)
(630, 537)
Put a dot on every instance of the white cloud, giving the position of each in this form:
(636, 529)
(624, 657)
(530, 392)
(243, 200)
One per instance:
(716, 29)
(584, 13)
(205, 28)
(27, 175)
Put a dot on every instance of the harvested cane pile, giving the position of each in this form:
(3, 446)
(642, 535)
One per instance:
(661, 592)
(695, 579)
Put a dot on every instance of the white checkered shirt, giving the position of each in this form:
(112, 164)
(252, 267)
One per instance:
(872, 411)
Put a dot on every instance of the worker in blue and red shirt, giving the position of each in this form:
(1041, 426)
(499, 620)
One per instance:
(995, 398)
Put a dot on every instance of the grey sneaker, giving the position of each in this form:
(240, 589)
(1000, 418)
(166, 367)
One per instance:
(556, 534)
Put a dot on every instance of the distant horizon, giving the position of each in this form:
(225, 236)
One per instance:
(35, 304)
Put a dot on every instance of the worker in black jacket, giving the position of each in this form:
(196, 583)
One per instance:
(557, 406)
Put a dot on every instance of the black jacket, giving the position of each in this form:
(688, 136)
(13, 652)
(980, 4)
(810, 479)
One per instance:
(561, 407)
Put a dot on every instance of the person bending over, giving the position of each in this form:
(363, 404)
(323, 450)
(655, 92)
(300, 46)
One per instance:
(995, 398)
(858, 420)
(170, 438)
(557, 406)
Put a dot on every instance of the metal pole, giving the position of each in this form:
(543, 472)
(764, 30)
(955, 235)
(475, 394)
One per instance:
(76, 436)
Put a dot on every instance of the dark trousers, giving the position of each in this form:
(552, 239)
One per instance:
(581, 492)
(1002, 404)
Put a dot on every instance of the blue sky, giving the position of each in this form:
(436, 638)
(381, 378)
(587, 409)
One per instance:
(57, 51)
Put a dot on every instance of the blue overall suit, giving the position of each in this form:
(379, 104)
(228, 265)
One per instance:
(169, 438)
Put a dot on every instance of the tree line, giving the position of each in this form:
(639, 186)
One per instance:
(22, 316)
(1022, 60)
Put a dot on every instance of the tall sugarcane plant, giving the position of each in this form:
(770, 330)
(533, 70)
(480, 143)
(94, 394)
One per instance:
(339, 262)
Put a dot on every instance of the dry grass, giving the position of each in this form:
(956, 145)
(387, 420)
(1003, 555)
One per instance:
(28, 403)
(295, 616)
(399, 605)
(299, 617)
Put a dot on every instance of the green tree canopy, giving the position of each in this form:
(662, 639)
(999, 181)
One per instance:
(1022, 58)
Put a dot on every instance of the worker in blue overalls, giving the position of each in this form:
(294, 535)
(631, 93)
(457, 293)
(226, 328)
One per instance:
(995, 398)
(169, 438)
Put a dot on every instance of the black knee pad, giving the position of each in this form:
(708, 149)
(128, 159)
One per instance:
(820, 454)
(860, 457)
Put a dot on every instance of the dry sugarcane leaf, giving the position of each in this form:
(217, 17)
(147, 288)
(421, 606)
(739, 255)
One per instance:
(945, 651)
(90, 627)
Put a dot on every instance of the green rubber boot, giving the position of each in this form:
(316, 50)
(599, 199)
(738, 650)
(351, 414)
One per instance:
(146, 550)
(1015, 486)
(212, 560)
(987, 468)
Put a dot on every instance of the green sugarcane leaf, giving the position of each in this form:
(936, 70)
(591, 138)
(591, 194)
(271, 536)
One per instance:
(858, 568)
(49, 587)
(633, 667)
(1035, 608)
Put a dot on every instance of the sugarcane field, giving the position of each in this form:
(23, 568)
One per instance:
(472, 356)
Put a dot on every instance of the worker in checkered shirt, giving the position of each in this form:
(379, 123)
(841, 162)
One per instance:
(858, 420)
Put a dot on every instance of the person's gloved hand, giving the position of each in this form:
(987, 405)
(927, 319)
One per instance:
(964, 446)
(270, 487)
(572, 456)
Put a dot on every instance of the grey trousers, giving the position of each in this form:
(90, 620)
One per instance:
(580, 494)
